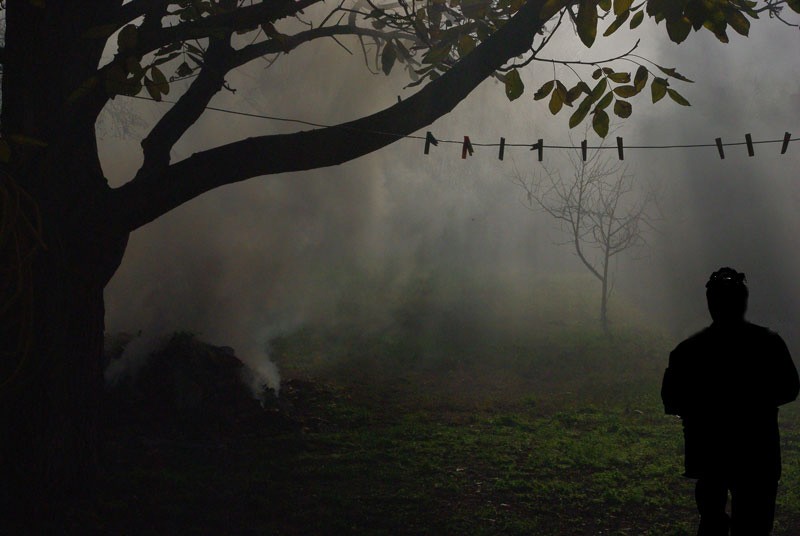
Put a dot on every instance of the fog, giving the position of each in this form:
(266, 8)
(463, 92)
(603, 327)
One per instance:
(251, 260)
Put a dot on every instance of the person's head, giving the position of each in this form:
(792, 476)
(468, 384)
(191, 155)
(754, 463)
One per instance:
(726, 292)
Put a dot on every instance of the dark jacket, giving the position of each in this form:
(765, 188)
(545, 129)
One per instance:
(726, 383)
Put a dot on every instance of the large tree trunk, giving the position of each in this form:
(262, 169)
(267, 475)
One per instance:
(56, 255)
(52, 369)
(51, 337)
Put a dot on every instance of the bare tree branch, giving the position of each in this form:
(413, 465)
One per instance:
(594, 207)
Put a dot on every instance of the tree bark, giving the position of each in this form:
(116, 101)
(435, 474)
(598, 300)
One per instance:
(52, 369)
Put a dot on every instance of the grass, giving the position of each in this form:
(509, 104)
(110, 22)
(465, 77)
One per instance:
(399, 430)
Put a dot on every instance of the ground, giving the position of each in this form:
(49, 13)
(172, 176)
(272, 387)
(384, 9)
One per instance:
(569, 440)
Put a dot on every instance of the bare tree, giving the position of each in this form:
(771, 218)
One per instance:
(600, 208)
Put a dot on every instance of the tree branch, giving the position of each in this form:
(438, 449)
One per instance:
(241, 18)
(188, 109)
(290, 42)
(146, 198)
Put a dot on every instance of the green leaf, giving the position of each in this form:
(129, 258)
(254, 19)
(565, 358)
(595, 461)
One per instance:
(128, 37)
(573, 94)
(622, 5)
(474, 9)
(619, 21)
(605, 101)
(673, 73)
(794, 5)
(620, 78)
(677, 97)
(605, 5)
(437, 54)
(544, 91)
(637, 19)
(388, 57)
(556, 101)
(626, 91)
(152, 89)
(658, 89)
(597, 73)
(599, 89)
(600, 123)
(164, 59)
(466, 44)
(159, 80)
(718, 29)
(737, 21)
(578, 116)
(402, 52)
(561, 89)
(586, 21)
(640, 79)
(514, 85)
(623, 108)
(183, 70)
(678, 29)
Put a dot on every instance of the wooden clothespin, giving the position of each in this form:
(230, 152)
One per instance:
(466, 147)
(786, 138)
(430, 140)
(620, 151)
(583, 150)
(538, 146)
(719, 148)
(749, 140)
(502, 148)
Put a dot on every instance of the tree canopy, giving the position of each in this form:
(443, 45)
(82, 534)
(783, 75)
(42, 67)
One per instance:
(446, 46)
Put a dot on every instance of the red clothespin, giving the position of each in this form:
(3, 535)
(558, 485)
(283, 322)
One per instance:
(502, 148)
(786, 138)
(749, 140)
(538, 146)
(583, 150)
(430, 140)
(619, 148)
(466, 148)
(719, 148)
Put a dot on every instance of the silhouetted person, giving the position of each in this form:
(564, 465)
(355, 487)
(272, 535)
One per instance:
(726, 383)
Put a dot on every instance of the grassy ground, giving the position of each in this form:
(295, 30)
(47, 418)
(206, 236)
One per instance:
(564, 438)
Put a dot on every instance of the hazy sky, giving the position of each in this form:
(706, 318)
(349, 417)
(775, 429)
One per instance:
(248, 260)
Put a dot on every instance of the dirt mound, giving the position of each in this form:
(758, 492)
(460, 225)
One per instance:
(191, 390)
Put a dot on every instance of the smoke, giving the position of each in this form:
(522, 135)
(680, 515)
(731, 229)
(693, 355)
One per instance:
(740, 211)
(134, 356)
(248, 261)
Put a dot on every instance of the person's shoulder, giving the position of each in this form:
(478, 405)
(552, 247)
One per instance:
(756, 330)
(692, 342)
